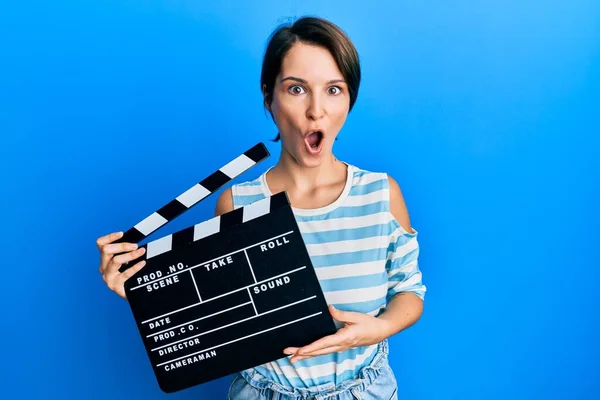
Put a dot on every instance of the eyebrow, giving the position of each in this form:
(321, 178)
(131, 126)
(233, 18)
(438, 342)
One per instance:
(293, 78)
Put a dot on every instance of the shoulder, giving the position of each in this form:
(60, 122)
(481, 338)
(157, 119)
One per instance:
(239, 194)
(364, 177)
(398, 205)
(381, 180)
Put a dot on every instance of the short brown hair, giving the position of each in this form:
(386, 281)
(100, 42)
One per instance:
(315, 31)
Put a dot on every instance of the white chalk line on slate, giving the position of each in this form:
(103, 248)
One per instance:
(209, 261)
(198, 319)
(224, 294)
(233, 323)
(242, 338)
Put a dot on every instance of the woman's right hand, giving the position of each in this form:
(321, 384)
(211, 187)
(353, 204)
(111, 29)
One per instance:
(110, 263)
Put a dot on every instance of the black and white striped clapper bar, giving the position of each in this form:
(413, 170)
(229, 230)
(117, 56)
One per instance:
(226, 294)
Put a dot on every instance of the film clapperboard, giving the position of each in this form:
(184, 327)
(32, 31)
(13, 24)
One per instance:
(226, 294)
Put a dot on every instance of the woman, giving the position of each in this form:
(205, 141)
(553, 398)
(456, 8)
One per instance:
(354, 222)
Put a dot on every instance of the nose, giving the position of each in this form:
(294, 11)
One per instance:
(316, 107)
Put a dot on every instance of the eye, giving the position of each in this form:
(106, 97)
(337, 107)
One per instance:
(296, 89)
(337, 90)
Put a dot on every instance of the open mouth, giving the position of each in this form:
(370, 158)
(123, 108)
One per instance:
(314, 140)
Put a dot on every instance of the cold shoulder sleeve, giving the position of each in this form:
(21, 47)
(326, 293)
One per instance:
(402, 264)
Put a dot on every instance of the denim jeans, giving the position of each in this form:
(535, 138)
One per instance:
(375, 381)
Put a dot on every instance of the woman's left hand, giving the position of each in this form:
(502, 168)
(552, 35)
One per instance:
(359, 330)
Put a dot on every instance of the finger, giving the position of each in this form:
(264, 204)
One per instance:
(295, 359)
(291, 350)
(109, 250)
(133, 270)
(326, 350)
(126, 275)
(132, 255)
(345, 316)
(113, 265)
(104, 260)
(108, 261)
(327, 341)
(117, 248)
(111, 237)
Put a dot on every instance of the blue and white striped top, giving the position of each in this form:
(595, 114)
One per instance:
(362, 257)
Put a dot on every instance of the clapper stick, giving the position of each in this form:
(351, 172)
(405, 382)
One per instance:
(192, 196)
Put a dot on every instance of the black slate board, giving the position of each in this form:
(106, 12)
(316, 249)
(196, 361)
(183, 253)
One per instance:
(232, 296)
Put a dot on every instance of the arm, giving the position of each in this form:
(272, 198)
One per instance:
(404, 296)
(224, 203)
(402, 312)
(405, 306)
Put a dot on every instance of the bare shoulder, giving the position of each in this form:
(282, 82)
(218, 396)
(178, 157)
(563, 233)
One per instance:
(224, 202)
(398, 205)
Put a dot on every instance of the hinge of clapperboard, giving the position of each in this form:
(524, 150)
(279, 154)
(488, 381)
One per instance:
(193, 196)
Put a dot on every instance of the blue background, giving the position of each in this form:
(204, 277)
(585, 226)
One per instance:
(487, 114)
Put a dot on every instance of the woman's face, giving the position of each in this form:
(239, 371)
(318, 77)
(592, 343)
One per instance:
(310, 103)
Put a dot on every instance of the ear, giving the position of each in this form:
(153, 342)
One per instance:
(265, 98)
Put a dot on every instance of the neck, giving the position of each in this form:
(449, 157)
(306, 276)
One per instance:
(302, 177)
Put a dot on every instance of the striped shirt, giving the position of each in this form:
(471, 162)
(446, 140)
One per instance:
(362, 257)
